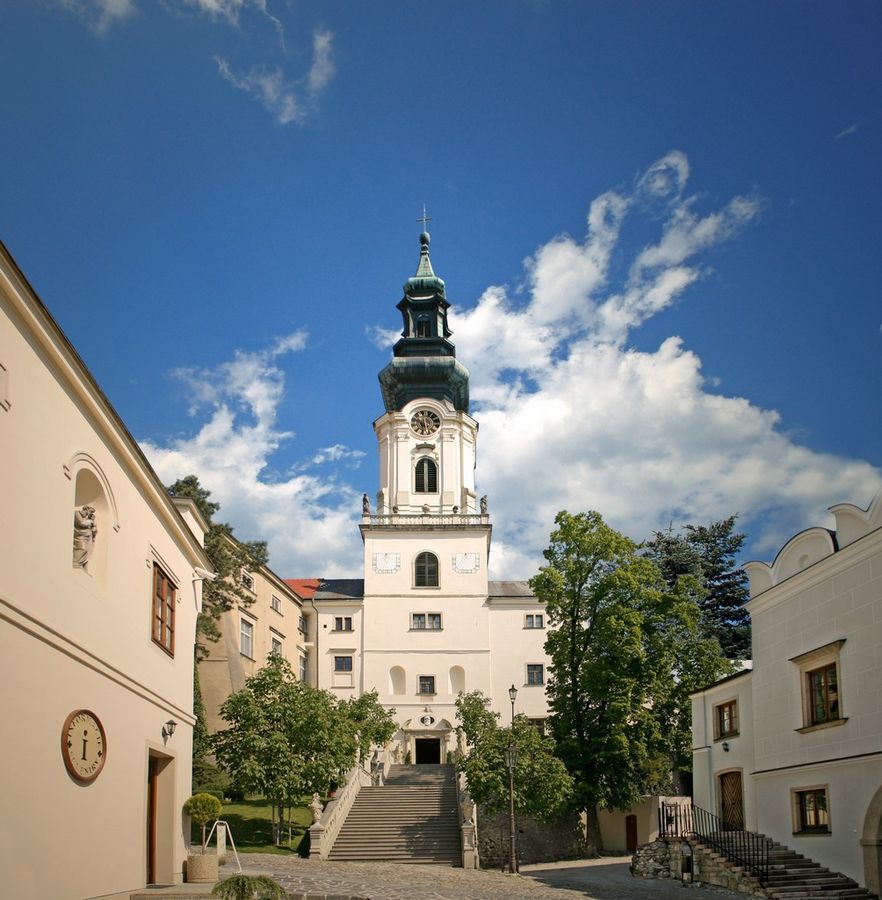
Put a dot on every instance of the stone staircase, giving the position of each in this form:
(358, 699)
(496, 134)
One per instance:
(792, 877)
(413, 818)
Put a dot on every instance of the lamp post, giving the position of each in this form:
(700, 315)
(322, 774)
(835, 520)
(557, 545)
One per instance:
(511, 761)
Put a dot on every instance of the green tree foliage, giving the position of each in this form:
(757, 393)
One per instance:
(285, 738)
(371, 722)
(707, 552)
(202, 809)
(625, 653)
(542, 785)
(228, 558)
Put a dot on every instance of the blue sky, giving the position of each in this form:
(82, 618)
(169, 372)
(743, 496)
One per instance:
(658, 223)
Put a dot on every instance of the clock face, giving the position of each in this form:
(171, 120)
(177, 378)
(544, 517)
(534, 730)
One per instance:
(83, 745)
(425, 422)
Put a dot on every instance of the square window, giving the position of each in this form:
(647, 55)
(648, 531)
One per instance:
(247, 581)
(541, 725)
(726, 719)
(342, 663)
(342, 623)
(534, 620)
(433, 621)
(276, 646)
(535, 674)
(811, 812)
(246, 638)
(427, 684)
(418, 621)
(163, 627)
(276, 604)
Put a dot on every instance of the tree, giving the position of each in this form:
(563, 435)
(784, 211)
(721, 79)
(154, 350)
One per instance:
(707, 552)
(542, 785)
(371, 722)
(285, 738)
(202, 809)
(228, 556)
(625, 653)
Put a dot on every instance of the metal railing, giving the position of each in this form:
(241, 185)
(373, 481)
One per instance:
(745, 848)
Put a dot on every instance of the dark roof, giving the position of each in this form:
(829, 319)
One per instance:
(340, 589)
(509, 589)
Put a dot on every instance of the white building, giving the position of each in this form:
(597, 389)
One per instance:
(100, 587)
(425, 623)
(793, 749)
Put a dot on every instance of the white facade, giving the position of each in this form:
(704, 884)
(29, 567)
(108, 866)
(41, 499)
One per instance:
(87, 813)
(810, 713)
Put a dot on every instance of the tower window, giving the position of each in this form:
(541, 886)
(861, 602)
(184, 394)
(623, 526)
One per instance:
(423, 327)
(426, 476)
(426, 570)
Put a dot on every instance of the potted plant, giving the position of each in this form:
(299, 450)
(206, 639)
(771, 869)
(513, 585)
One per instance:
(202, 867)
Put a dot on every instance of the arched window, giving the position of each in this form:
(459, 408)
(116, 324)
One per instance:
(423, 327)
(426, 476)
(425, 572)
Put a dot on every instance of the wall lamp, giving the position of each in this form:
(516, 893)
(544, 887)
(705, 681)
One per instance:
(168, 729)
(725, 746)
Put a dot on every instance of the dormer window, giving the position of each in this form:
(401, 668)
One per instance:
(426, 476)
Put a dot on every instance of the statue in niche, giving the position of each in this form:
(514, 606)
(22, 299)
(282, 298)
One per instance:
(85, 531)
(365, 505)
(484, 505)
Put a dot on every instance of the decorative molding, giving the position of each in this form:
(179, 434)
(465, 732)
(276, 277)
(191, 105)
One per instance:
(466, 563)
(386, 563)
(83, 460)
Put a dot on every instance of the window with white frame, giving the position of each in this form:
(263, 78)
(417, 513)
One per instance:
(275, 644)
(426, 684)
(342, 623)
(246, 638)
(342, 663)
(425, 621)
(303, 671)
(276, 604)
(534, 620)
(535, 674)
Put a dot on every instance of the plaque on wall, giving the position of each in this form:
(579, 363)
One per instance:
(83, 745)
(466, 563)
(387, 563)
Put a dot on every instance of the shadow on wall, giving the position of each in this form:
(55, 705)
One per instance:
(537, 842)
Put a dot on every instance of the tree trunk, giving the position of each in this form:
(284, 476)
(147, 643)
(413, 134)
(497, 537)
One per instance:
(277, 824)
(593, 840)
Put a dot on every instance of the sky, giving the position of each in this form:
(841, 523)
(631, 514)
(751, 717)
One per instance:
(658, 223)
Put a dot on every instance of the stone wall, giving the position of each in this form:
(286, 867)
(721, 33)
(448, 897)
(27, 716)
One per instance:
(537, 842)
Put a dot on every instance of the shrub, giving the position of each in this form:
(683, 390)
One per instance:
(249, 887)
(202, 808)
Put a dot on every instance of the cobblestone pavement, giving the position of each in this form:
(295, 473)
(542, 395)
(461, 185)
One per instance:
(604, 879)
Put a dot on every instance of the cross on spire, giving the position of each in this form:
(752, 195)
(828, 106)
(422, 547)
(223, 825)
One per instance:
(425, 219)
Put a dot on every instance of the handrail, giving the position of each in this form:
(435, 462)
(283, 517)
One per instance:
(324, 832)
(426, 519)
(230, 833)
(746, 848)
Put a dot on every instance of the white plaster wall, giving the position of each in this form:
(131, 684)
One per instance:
(330, 643)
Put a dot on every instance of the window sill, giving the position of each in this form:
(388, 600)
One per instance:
(247, 656)
(162, 647)
(533, 628)
(813, 832)
(833, 723)
(338, 631)
(727, 736)
(435, 630)
(278, 612)
(427, 587)
(541, 684)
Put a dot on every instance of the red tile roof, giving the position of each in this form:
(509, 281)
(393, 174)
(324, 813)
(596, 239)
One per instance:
(303, 587)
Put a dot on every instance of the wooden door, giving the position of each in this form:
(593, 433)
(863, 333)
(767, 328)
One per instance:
(630, 833)
(152, 779)
(732, 800)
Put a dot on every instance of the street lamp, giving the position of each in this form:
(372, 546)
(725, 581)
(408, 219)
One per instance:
(511, 761)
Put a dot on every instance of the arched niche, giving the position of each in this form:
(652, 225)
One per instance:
(457, 680)
(93, 517)
(871, 839)
(397, 680)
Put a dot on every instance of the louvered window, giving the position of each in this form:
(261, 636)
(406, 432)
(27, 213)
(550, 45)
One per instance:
(426, 476)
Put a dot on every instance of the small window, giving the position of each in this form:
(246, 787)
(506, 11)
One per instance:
(534, 620)
(342, 663)
(163, 629)
(304, 676)
(727, 719)
(302, 624)
(423, 327)
(425, 621)
(535, 674)
(541, 725)
(426, 570)
(823, 694)
(426, 476)
(342, 623)
(276, 604)
(811, 811)
(246, 638)
(276, 646)
(247, 581)
(427, 684)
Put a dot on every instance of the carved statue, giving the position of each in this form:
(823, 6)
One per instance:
(316, 808)
(85, 531)
(484, 505)
(467, 805)
(365, 505)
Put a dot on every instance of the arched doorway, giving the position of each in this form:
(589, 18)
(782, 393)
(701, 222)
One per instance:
(871, 841)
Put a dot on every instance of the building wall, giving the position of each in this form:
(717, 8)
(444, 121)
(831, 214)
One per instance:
(81, 639)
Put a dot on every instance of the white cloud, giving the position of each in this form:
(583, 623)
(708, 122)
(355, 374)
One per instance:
(852, 129)
(322, 69)
(308, 521)
(269, 87)
(100, 15)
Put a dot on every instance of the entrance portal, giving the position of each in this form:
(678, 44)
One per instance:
(731, 800)
(428, 751)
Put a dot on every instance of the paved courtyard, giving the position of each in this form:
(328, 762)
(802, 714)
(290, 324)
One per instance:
(601, 879)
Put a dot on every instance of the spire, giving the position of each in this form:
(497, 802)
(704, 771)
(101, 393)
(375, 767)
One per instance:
(424, 269)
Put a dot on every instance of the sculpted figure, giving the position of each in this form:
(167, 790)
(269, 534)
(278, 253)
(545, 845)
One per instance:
(316, 808)
(85, 531)
(365, 505)
(484, 505)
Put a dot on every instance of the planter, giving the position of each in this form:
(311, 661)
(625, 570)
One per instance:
(202, 868)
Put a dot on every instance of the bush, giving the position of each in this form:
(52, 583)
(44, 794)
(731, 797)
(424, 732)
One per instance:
(249, 887)
(202, 808)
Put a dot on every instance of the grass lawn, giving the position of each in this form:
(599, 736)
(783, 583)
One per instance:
(251, 824)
